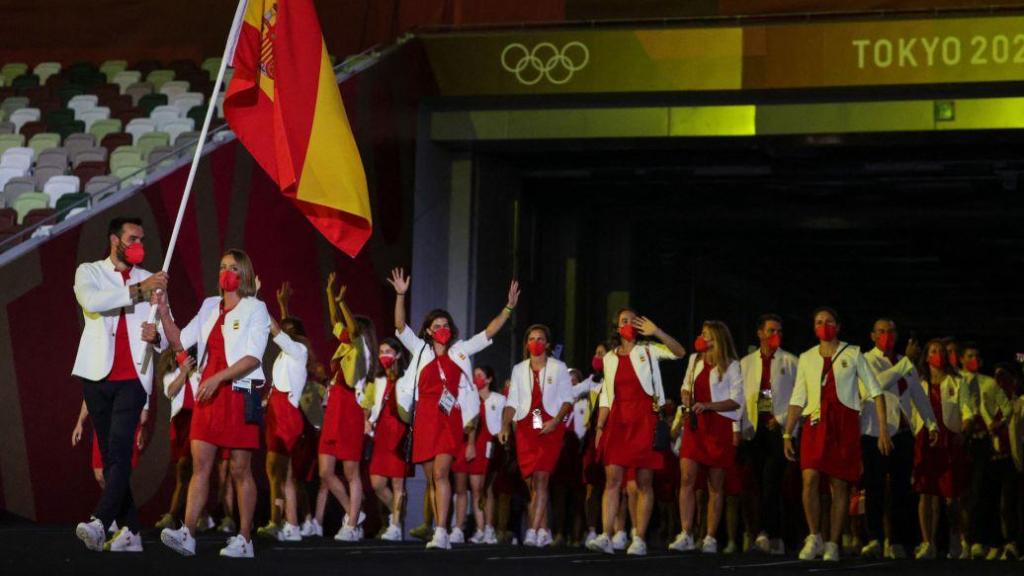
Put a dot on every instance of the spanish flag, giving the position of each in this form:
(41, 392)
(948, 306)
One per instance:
(284, 105)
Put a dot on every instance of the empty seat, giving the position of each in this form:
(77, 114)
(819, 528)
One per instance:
(177, 127)
(10, 141)
(69, 201)
(44, 174)
(6, 127)
(164, 113)
(118, 104)
(159, 77)
(185, 142)
(8, 173)
(126, 78)
(82, 102)
(114, 141)
(124, 156)
(12, 70)
(12, 103)
(138, 91)
(43, 141)
(94, 115)
(86, 171)
(23, 115)
(102, 185)
(160, 156)
(16, 187)
(131, 175)
(151, 140)
(46, 69)
(105, 92)
(30, 129)
(59, 116)
(43, 216)
(174, 88)
(57, 157)
(198, 115)
(93, 154)
(8, 218)
(150, 101)
(66, 93)
(70, 128)
(25, 81)
(57, 186)
(187, 101)
(101, 128)
(111, 68)
(77, 142)
(140, 126)
(211, 66)
(30, 201)
(13, 158)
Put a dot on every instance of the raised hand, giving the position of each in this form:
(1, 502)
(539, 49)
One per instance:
(330, 283)
(258, 284)
(513, 294)
(399, 281)
(284, 293)
(341, 294)
(644, 325)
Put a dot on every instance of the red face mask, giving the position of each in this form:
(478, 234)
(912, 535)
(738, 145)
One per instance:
(972, 365)
(480, 382)
(135, 253)
(886, 342)
(628, 332)
(935, 360)
(229, 280)
(597, 363)
(536, 347)
(775, 341)
(826, 332)
(954, 360)
(442, 335)
(700, 344)
(387, 360)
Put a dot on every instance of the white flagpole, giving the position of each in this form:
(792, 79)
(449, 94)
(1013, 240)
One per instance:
(229, 51)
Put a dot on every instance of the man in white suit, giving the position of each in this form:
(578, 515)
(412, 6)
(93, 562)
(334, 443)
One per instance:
(114, 294)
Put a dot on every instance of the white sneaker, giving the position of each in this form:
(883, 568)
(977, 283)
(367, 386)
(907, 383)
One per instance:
(872, 550)
(392, 534)
(124, 541)
(531, 538)
(311, 528)
(683, 543)
(709, 546)
(762, 543)
(477, 537)
(812, 547)
(490, 537)
(91, 534)
(831, 553)
(180, 540)
(347, 534)
(238, 547)
(619, 540)
(113, 528)
(289, 533)
(591, 534)
(544, 538)
(637, 547)
(730, 548)
(1010, 552)
(456, 536)
(926, 551)
(440, 540)
(362, 517)
(601, 544)
(778, 547)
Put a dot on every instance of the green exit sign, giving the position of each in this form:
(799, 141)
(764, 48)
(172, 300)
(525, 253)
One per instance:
(945, 111)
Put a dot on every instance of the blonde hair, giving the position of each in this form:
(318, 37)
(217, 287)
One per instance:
(724, 352)
(246, 274)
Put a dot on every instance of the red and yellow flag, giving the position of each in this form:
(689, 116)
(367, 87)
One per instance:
(284, 105)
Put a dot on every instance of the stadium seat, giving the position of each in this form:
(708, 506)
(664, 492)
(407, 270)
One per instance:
(118, 104)
(186, 101)
(159, 77)
(43, 175)
(12, 70)
(94, 115)
(174, 88)
(139, 91)
(105, 92)
(131, 174)
(102, 185)
(101, 128)
(82, 102)
(177, 127)
(37, 216)
(44, 140)
(91, 154)
(160, 156)
(12, 103)
(71, 201)
(10, 141)
(8, 218)
(57, 157)
(86, 171)
(57, 186)
(17, 186)
(164, 113)
(125, 156)
(16, 158)
(46, 69)
(77, 142)
(211, 66)
(75, 127)
(25, 81)
(220, 105)
(126, 78)
(66, 93)
(114, 141)
(58, 117)
(186, 141)
(150, 101)
(6, 127)
(111, 68)
(152, 140)
(23, 115)
(30, 129)
(30, 201)
(140, 126)
(7, 173)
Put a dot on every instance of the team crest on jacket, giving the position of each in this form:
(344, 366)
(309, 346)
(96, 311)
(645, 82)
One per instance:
(236, 324)
(462, 356)
(845, 364)
(642, 359)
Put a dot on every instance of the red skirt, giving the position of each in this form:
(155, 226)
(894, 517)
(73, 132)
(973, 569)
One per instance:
(940, 470)
(537, 452)
(304, 456)
(341, 435)
(284, 423)
(628, 436)
(710, 444)
(832, 445)
(435, 433)
(181, 425)
(97, 457)
(221, 421)
(478, 466)
(386, 460)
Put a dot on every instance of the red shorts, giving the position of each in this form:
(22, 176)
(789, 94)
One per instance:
(283, 423)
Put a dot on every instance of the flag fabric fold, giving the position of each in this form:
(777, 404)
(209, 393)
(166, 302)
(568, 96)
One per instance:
(284, 105)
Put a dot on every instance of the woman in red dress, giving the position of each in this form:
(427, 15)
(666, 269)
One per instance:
(828, 397)
(345, 420)
(713, 393)
(231, 331)
(440, 394)
(940, 466)
(631, 395)
(387, 465)
(539, 399)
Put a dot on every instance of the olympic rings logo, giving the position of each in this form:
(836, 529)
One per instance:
(544, 61)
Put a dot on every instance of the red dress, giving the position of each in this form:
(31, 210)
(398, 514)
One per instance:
(341, 435)
(710, 444)
(433, 431)
(387, 437)
(284, 423)
(832, 444)
(181, 425)
(628, 436)
(537, 452)
(220, 420)
(478, 466)
(939, 470)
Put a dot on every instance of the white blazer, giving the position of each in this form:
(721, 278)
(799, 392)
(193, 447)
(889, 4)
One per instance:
(951, 413)
(783, 377)
(178, 400)
(848, 366)
(493, 408)
(888, 376)
(555, 386)
(102, 293)
(727, 387)
(645, 357)
(289, 371)
(246, 328)
(423, 353)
